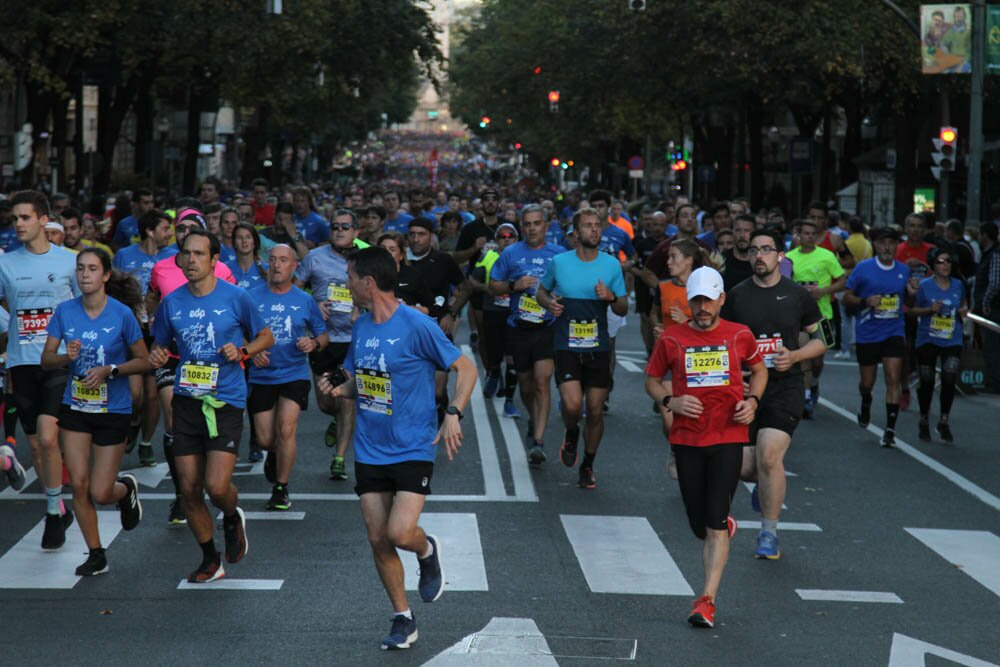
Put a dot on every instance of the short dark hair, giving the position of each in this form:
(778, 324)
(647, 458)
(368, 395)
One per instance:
(215, 247)
(259, 181)
(954, 226)
(377, 210)
(772, 234)
(816, 204)
(69, 214)
(989, 230)
(745, 217)
(377, 263)
(149, 221)
(284, 207)
(451, 215)
(214, 207)
(721, 206)
(37, 199)
(139, 193)
(856, 225)
(600, 195)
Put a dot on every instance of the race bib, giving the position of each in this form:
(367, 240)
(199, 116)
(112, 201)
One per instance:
(942, 327)
(707, 366)
(340, 298)
(529, 310)
(374, 391)
(769, 347)
(31, 325)
(888, 307)
(583, 334)
(84, 399)
(199, 378)
(502, 301)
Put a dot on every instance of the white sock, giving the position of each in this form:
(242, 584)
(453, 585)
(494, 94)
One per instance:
(408, 614)
(429, 552)
(770, 525)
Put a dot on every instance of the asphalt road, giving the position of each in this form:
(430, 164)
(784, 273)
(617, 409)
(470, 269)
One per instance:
(887, 555)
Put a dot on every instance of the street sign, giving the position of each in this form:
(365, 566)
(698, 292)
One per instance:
(636, 162)
(635, 173)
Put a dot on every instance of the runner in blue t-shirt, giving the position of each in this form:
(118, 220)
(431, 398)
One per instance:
(577, 288)
(940, 304)
(279, 377)
(310, 224)
(128, 231)
(209, 320)
(34, 279)
(396, 220)
(389, 371)
(518, 273)
(248, 271)
(880, 286)
(103, 345)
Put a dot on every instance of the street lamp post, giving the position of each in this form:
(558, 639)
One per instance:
(972, 195)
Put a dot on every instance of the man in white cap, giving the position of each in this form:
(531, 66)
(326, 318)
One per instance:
(703, 358)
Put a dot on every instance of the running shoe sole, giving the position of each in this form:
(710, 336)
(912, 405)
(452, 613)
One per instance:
(536, 455)
(196, 578)
(410, 640)
(15, 474)
(246, 543)
(700, 621)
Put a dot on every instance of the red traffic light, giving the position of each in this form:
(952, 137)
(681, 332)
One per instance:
(680, 165)
(517, 146)
(538, 70)
(485, 120)
(555, 162)
(948, 134)
(553, 96)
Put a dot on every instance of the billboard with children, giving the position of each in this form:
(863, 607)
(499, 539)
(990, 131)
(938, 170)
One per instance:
(946, 38)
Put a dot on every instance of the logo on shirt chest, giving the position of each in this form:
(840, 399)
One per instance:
(89, 335)
(278, 308)
(196, 314)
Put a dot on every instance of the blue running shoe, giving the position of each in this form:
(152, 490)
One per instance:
(755, 499)
(431, 584)
(767, 546)
(402, 635)
(510, 410)
(492, 386)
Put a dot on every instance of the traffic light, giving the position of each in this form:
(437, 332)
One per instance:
(554, 101)
(555, 162)
(484, 122)
(679, 165)
(945, 149)
(517, 146)
(537, 70)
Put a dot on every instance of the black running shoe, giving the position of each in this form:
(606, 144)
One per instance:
(271, 467)
(568, 452)
(865, 415)
(888, 439)
(129, 506)
(587, 479)
(925, 431)
(96, 563)
(945, 432)
(178, 517)
(55, 530)
(536, 453)
(235, 531)
(279, 499)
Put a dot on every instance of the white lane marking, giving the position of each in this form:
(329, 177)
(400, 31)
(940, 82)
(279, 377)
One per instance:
(524, 486)
(622, 554)
(225, 584)
(628, 365)
(943, 470)
(749, 487)
(492, 477)
(461, 549)
(847, 596)
(974, 552)
(782, 525)
(25, 565)
(249, 469)
(910, 652)
(29, 477)
(270, 516)
(150, 476)
(504, 641)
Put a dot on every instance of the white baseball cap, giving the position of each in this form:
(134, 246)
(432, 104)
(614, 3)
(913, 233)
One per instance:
(705, 281)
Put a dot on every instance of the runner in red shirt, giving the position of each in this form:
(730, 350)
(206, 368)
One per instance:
(704, 359)
(913, 253)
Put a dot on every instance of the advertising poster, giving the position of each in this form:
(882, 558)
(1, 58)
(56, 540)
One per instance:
(946, 42)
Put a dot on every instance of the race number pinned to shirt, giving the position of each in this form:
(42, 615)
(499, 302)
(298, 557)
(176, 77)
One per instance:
(502, 301)
(583, 334)
(769, 347)
(84, 399)
(374, 390)
(888, 307)
(942, 327)
(31, 324)
(340, 298)
(529, 310)
(199, 378)
(707, 366)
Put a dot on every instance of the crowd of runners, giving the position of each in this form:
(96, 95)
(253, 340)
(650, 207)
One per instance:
(185, 314)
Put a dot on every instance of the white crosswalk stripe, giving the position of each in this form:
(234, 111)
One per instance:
(461, 550)
(974, 552)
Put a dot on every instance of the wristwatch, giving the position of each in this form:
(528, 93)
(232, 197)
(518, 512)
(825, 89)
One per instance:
(114, 371)
(452, 410)
(245, 353)
(666, 403)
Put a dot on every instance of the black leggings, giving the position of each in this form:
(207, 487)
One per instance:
(927, 356)
(708, 477)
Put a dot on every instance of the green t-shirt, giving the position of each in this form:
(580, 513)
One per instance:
(820, 268)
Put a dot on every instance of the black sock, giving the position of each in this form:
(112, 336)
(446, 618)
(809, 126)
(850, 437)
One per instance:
(10, 417)
(279, 487)
(866, 400)
(891, 413)
(209, 552)
(573, 434)
(588, 460)
(99, 551)
(509, 382)
(168, 454)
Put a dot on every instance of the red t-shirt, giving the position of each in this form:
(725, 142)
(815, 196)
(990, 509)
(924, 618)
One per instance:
(262, 215)
(905, 253)
(707, 365)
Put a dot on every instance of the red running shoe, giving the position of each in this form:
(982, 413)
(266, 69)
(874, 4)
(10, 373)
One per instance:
(731, 526)
(703, 613)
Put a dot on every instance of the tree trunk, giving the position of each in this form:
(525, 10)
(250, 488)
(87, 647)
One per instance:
(191, 141)
(906, 158)
(853, 146)
(144, 130)
(38, 106)
(60, 109)
(755, 127)
(112, 107)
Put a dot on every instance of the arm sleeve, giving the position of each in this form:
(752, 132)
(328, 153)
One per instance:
(163, 330)
(659, 361)
(746, 347)
(4, 320)
(549, 279)
(130, 329)
(617, 282)
(853, 280)
(455, 275)
(836, 270)
(303, 270)
(250, 317)
(316, 324)
(628, 247)
(55, 327)
(466, 238)
(500, 269)
(434, 345)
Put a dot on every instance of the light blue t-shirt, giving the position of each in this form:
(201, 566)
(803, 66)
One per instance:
(401, 223)
(201, 325)
(583, 326)
(393, 365)
(126, 232)
(289, 316)
(104, 340)
(313, 227)
(33, 286)
(324, 270)
(521, 260)
(136, 261)
(943, 328)
(252, 277)
(874, 325)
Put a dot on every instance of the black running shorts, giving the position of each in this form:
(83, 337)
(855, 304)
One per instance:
(530, 344)
(780, 406)
(37, 392)
(264, 397)
(329, 358)
(870, 354)
(107, 428)
(191, 430)
(409, 476)
(591, 369)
